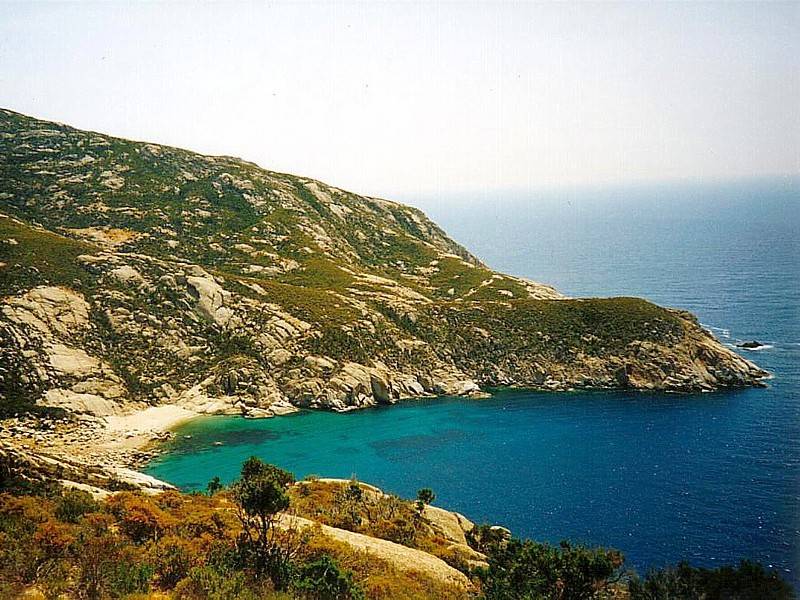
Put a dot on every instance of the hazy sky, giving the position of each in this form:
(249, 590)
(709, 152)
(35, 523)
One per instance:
(404, 98)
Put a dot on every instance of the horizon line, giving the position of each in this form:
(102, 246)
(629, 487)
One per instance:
(546, 188)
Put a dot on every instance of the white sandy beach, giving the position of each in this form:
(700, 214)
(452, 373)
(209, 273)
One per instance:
(155, 419)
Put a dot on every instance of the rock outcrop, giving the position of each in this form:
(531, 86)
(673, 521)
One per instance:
(401, 557)
(99, 479)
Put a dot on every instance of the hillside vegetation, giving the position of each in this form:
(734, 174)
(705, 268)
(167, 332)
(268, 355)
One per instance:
(269, 538)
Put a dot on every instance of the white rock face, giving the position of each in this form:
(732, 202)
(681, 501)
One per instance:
(453, 526)
(282, 407)
(279, 356)
(96, 492)
(108, 386)
(411, 387)
(49, 310)
(467, 387)
(212, 298)
(148, 484)
(450, 383)
(72, 361)
(319, 363)
(48, 322)
(90, 404)
(128, 275)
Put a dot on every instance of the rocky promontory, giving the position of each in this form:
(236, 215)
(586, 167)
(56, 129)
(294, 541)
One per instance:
(135, 276)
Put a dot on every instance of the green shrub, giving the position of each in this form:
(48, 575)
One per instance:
(523, 570)
(748, 581)
(214, 486)
(484, 537)
(130, 578)
(424, 496)
(400, 530)
(208, 583)
(322, 579)
(98, 551)
(260, 495)
(173, 560)
(71, 507)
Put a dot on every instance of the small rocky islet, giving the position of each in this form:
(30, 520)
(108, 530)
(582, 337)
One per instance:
(751, 345)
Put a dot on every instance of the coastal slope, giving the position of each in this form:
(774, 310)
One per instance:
(135, 275)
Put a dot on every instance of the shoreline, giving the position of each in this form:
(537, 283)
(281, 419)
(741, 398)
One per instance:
(120, 445)
(115, 446)
(144, 429)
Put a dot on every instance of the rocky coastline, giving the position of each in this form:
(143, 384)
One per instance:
(142, 284)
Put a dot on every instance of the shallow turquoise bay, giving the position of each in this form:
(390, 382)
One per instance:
(711, 478)
(661, 477)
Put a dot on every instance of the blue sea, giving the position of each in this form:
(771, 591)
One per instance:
(711, 478)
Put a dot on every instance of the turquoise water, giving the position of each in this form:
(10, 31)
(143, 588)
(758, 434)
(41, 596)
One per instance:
(709, 478)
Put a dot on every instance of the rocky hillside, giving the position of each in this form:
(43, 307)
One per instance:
(134, 274)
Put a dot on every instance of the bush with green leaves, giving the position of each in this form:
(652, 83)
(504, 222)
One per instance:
(348, 503)
(748, 581)
(210, 583)
(71, 507)
(129, 578)
(214, 486)
(260, 496)
(484, 537)
(424, 496)
(527, 570)
(323, 579)
(173, 560)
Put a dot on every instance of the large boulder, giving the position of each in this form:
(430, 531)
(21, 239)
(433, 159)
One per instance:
(211, 298)
(381, 389)
(51, 311)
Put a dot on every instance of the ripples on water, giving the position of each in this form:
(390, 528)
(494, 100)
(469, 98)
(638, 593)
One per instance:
(710, 478)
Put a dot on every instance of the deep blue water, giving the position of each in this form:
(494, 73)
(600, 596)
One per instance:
(710, 478)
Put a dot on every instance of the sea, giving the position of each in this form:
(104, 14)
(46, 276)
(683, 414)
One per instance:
(707, 478)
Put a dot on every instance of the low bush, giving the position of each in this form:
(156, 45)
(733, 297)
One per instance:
(197, 547)
(322, 579)
(748, 581)
(520, 570)
(73, 505)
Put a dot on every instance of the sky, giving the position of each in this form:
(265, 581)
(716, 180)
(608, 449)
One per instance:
(400, 99)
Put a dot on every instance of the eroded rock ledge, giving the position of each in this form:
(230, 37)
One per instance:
(64, 350)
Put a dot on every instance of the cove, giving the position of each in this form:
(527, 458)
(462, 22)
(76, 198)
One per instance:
(707, 478)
